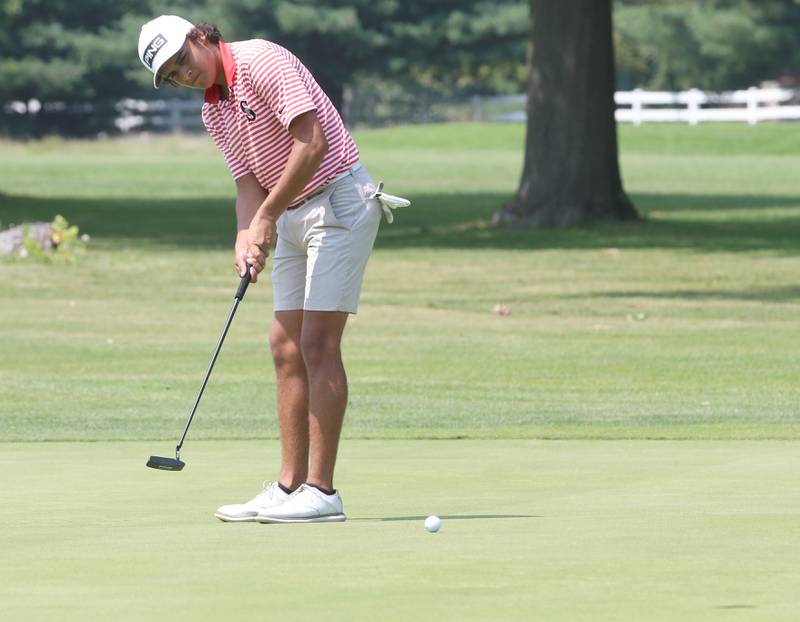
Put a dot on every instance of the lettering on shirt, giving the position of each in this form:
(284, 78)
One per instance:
(248, 112)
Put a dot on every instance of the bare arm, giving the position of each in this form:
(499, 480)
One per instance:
(308, 151)
(249, 196)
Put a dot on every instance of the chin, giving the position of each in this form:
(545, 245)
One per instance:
(205, 83)
(199, 82)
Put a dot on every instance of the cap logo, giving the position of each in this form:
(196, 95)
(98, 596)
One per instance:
(152, 48)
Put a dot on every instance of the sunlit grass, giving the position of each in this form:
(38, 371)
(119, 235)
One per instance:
(683, 325)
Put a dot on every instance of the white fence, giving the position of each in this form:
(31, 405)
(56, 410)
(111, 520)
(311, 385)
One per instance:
(174, 115)
(694, 106)
(751, 106)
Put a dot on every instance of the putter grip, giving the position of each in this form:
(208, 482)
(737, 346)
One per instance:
(243, 284)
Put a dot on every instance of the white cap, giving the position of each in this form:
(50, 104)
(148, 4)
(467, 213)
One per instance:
(160, 40)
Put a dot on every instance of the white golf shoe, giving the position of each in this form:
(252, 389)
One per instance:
(272, 496)
(305, 505)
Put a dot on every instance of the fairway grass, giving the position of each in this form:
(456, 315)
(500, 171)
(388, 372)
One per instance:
(532, 530)
(681, 326)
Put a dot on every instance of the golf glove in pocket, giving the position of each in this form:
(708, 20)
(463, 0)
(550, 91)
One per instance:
(388, 202)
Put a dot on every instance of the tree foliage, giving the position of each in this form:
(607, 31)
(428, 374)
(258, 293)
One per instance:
(85, 50)
(471, 44)
(75, 51)
(79, 50)
(66, 51)
(706, 44)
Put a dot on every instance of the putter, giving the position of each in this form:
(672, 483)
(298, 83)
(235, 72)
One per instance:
(176, 464)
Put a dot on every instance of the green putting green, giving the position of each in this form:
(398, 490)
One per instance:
(532, 530)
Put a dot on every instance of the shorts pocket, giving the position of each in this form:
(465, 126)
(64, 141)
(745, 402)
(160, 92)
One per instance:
(347, 202)
(320, 222)
(332, 217)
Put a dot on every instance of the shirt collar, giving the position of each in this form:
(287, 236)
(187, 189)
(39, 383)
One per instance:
(214, 93)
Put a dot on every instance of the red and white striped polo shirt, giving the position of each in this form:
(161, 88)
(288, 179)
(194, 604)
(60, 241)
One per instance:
(268, 87)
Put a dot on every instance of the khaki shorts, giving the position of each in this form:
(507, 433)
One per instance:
(323, 246)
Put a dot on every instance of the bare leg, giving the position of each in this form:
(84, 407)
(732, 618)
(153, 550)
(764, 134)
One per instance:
(320, 341)
(292, 380)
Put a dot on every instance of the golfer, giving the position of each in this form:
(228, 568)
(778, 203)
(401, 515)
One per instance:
(299, 183)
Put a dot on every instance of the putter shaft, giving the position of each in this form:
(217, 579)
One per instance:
(236, 300)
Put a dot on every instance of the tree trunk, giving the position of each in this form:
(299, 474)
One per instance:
(571, 172)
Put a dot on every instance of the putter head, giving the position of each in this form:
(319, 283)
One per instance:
(165, 464)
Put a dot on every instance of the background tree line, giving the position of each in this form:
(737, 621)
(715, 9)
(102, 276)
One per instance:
(78, 57)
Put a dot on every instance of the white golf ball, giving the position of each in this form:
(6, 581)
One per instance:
(433, 523)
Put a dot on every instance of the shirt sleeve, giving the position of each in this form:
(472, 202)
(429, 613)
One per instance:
(277, 79)
(213, 123)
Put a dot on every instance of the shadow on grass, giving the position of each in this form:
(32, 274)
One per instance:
(446, 517)
(448, 221)
(756, 294)
(169, 222)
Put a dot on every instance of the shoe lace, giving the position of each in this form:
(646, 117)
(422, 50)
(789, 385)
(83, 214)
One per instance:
(267, 488)
(299, 489)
